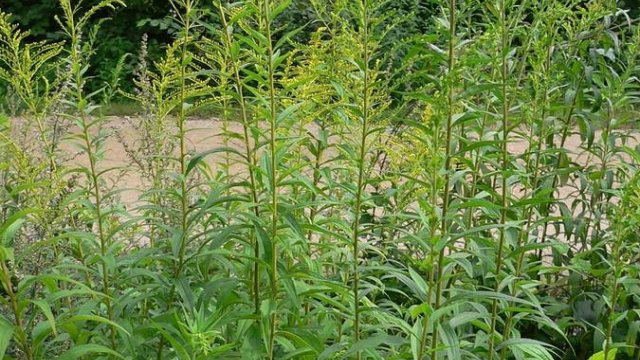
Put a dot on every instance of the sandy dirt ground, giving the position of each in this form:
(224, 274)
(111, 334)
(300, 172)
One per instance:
(205, 134)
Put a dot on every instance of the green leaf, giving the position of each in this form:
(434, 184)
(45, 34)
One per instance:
(450, 340)
(6, 332)
(79, 351)
(46, 310)
(6, 254)
(534, 348)
(600, 355)
(279, 8)
(196, 159)
(11, 226)
(181, 351)
(98, 319)
(286, 113)
(419, 282)
(4, 122)
(371, 343)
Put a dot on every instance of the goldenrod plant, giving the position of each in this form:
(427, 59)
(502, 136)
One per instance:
(362, 190)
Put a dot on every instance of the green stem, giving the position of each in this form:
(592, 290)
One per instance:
(563, 140)
(616, 247)
(527, 228)
(608, 346)
(184, 200)
(104, 244)
(273, 179)
(21, 332)
(249, 155)
(432, 234)
(362, 153)
(505, 166)
(444, 229)
(94, 177)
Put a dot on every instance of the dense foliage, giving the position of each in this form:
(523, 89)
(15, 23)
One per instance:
(122, 34)
(386, 189)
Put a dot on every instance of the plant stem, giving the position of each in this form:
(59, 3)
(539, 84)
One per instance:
(563, 139)
(94, 177)
(273, 178)
(184, 200)
(21, 332)
(362, 153)
(505, 166)
(444, 228)
(249, 155)
(608, 345)
(104, 244)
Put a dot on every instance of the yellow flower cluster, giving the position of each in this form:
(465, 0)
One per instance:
(427, 115)
(410, 153)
